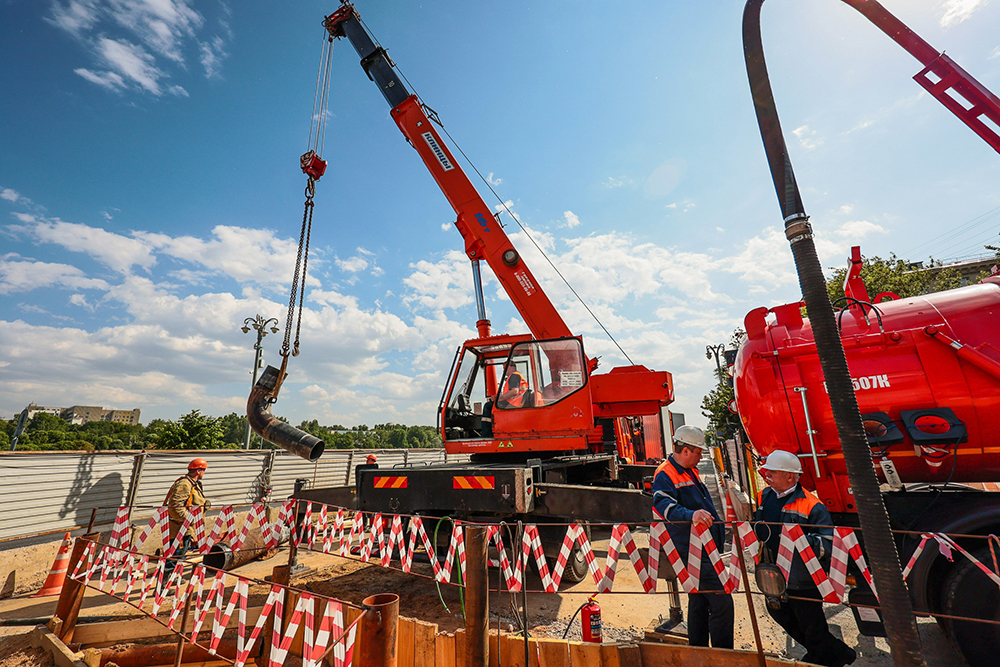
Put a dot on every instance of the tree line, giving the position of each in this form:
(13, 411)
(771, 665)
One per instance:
(194, 430)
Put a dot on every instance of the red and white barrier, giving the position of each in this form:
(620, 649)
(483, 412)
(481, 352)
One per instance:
(945, 547)
(120, 568)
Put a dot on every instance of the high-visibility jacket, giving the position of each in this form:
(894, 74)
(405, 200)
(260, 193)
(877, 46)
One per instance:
(801, 507)
(184, 493)
(677, 493)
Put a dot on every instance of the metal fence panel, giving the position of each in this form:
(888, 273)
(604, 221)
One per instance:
(289, 467)
(234, 476)
(52, 491)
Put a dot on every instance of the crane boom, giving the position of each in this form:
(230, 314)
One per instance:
(484, 238)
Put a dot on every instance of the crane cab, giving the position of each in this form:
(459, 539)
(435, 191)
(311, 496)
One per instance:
(542, 401)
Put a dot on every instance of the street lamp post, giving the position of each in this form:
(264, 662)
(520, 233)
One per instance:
(260, 325)
(716, 350)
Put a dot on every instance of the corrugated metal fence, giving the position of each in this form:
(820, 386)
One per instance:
(42, 492)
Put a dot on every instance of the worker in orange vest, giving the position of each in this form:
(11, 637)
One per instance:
(785, 501)
(513, 397)
(186, 492)
(680, 497)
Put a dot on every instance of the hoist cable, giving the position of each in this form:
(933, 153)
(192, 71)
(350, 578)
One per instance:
(433, 116)
(535, 243)
(326, 96)
(320, 84)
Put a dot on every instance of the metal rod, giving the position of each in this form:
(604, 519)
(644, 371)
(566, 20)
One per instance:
(93, 518)
(753, 611)
(377, 644)
(477, 601)
(801, 391)
(524, 600)
(477, 283)
(181, 639)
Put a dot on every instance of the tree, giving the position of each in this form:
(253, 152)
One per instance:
(234, 429)
(896, 276)
(193, 431)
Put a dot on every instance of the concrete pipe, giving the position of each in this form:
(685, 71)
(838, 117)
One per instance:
(272, 429)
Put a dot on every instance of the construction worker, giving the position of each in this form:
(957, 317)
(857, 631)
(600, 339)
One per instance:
(185, 493)
(785, 501)
(680, 496)
(514, 395)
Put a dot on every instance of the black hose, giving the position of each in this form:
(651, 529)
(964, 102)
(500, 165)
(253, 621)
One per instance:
(900, 624)
(573, 618)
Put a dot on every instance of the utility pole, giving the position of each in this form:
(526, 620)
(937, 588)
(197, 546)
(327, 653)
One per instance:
(260, 325)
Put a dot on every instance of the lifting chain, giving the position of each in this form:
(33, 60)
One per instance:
(299, 278)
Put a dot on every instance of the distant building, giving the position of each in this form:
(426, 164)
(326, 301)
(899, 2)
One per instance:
(969, 268)
(81, 414)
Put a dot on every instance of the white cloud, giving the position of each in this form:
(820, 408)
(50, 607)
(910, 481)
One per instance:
(23, 275)
(113, 250)
(128, 62)
(227, 252)
(956, 11)
(13, 196)
(807, 138)
(846, 208)
(352, 264)
(995, 53)
(213, 53)
(138, 44)
(571, 219)
(493, 181)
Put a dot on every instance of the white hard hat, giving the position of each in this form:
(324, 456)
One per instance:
(690, 435)
(780, 460)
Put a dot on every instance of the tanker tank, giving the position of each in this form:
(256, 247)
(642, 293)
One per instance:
(926, 372)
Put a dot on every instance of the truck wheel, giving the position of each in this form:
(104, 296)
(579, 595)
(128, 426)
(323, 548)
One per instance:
(968, 592)
(576, 567)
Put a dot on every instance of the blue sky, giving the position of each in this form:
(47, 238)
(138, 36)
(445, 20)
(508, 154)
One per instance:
(150, 194)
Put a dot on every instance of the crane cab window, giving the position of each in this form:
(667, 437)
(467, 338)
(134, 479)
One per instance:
(540, 373)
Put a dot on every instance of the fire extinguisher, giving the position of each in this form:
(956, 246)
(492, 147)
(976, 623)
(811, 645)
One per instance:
(591, 622)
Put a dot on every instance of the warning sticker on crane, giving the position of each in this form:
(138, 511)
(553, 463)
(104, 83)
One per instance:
(525, 281)
(473, 482)
(390, 482)
(438, 151)
(570, 378)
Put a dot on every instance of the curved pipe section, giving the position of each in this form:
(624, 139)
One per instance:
(272, 429)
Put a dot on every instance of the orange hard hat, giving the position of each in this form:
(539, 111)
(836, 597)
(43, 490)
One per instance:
(198, 464)
(371, 458)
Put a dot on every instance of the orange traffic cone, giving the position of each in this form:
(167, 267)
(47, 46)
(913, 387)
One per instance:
(57, 575)
(730, 510)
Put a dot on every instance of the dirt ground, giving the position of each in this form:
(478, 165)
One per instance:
(626, 613)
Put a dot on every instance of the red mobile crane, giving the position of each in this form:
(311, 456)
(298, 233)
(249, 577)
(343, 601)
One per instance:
(925, 372)
(547, 436)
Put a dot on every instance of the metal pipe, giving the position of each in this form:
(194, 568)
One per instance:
(962, 351)
(222, 557)
(143, 655)
(377, 643)
(801, 391)
(272, 429)
(477, 601)
(477, 285)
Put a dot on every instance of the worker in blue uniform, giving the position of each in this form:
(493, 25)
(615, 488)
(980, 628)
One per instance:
(801, 612)
(679, 495)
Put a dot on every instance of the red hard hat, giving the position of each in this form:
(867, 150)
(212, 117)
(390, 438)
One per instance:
(198, 464)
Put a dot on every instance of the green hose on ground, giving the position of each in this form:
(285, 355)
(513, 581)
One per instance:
(461, 579)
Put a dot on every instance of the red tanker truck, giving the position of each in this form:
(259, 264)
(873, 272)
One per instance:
(926, 373)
